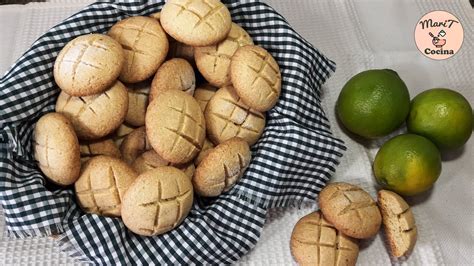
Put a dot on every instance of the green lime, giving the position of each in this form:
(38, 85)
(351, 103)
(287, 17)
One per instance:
(373, 103)
(407, 164)
(442, 115)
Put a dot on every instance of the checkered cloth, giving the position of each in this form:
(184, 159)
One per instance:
(292, 161)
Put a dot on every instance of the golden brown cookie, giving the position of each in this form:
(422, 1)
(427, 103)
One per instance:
(399, 223)
(175, 126)
(256, 77)
(156, 16)
(56, 149)
(350, 209)
(150, 160)
(206, 148)
(137, 103)
(91, 149)
(102, 184)
(145, 46)
(203, 95)
(214, 61)
(315, 241)
(97, 115)
(227, 116)
(88, 65)
(223, 166)
(181, 50)
(134, 144)
(158, 201)
(196, 22)
(122, 131)
(174, 74)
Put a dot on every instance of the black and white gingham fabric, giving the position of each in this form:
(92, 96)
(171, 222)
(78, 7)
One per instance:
(291, 162)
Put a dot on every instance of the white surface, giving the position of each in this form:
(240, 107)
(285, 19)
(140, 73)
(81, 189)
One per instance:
(358, 35)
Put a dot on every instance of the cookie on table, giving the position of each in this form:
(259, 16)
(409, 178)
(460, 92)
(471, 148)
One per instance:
(56, 149)
(256, 77)
(97, 115)
(122, 131)
(174, 74)
(137, 103)
(196, 22)
(203, 95)
(399, 223)
(206, 148)
(102, 184)
(91, 149)
(89, 64)
(222, 167)
(157, 202)
(214, 61)
(175, 126)
(150, 160)
(227, 116)
(350, 209)
(145, 46)
(315, 241)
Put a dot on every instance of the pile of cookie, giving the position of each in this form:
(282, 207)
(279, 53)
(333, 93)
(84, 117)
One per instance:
(347, 213)
(134, 133)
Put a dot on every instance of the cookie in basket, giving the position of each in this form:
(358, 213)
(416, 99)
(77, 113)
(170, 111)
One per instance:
(122, 131)
(145, 46)
(91, 149)
(137, 103)
(97, 115)
(56, 149)
(157, 201)
(227, 116)
(150, 160)
(203, 95)
(174, 74)
(134, 144)
(206, 148)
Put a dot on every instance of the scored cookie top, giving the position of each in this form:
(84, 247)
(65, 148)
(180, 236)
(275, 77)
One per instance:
(91, 149)
(196, 22)
(174, 74)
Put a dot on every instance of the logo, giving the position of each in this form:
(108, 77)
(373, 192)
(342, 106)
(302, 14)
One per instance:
(439, 35)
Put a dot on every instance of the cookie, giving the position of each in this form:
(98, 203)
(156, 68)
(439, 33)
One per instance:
(256, 77)
(174, 74)
(88, 65)
(222, 167)
(315, 241)
(97, 115)
(214, 61)
(196, 22)
(56, 149)
(203, 95)
(150, 160)
(102, 184)
(157, 202)
(399, 223)
(145, 46)
(206, 148)
(156, 16)
(350, 209)
(137, 103)
(175, 126)
(122, 131)
(227, 116)
(181, 50)
(134, 144)
(91, 149)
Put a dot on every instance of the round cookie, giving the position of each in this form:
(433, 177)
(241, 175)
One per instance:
(227, 116)
(102, 184)
(181, 50)
(56, 149)
(156, 16)
(203, 95)
(206, 148)
(315, 241)
(222, 167)
(91, 149)
(134, 144)
(150, 160)
(175, 126)
(88, 65)
(196, 22)
(97, 115)
(350, 209)
(174, 74)
(145, 46)
(137, 103)
(214, 61)
(256, 77)
(158, 201)
(122, 131)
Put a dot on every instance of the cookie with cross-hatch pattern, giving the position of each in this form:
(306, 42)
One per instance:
(256, 77)
(89, 64)
(122, 131)
(145, 46)
(102, 185)
(150, 160)
(158, 201)
(222, 167)
(175, 126)
(91, 149)
(350, 209)
(203, 95)
(56, 149)
(214, 61)
(137, 103)
(196, 22)
(315, 241)
(97, 115)
(227, 116)
(174, 74)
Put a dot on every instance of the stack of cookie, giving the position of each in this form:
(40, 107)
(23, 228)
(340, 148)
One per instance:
(134, 133)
